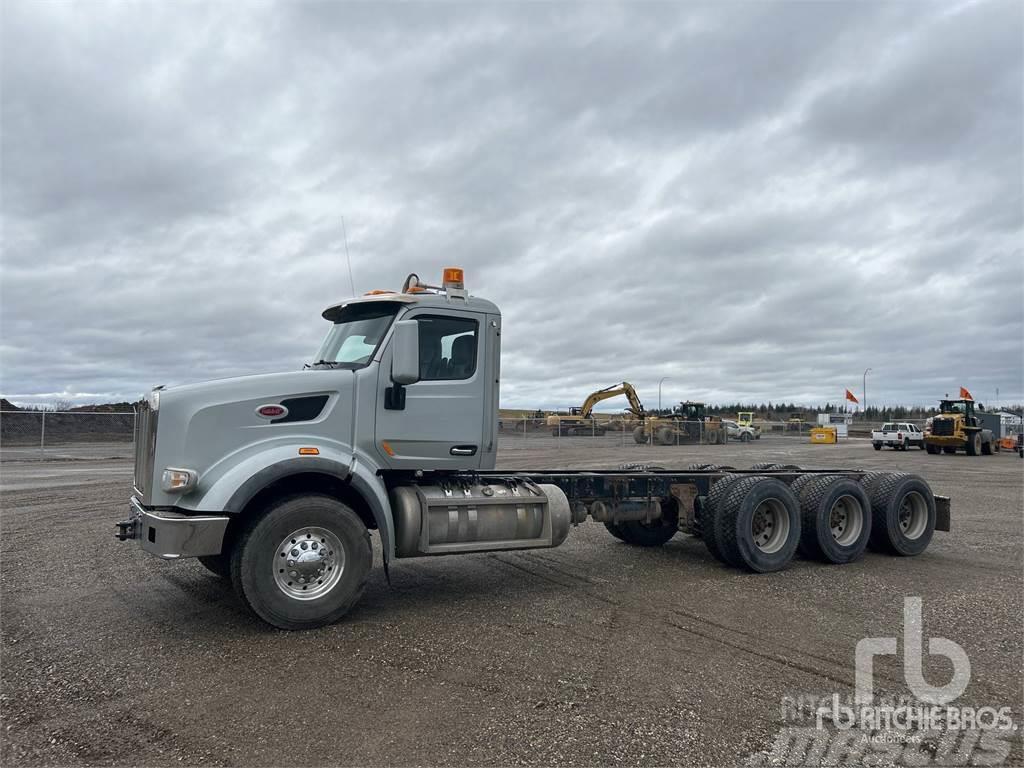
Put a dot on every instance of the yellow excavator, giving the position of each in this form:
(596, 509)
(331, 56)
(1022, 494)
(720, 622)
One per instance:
(579, 420)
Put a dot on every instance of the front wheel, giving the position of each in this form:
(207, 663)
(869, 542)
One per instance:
(303, 563)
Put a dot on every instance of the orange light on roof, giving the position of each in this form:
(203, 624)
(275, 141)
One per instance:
(387, 448)
(376, 292)
(309, 451)
(417, 289)
(452, 275)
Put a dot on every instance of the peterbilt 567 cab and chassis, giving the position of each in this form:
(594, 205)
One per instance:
(275, 481)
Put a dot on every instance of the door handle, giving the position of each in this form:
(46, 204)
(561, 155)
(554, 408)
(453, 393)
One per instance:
(463, 450)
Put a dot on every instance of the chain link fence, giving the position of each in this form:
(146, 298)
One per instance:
(571, 430)
(75, 433)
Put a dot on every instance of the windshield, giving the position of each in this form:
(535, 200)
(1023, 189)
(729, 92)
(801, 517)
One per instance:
(355, 335)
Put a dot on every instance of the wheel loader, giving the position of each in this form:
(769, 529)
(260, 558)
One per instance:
(957, 427)
(688, 423)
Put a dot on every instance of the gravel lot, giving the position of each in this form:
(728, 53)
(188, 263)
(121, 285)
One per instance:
(592, 653)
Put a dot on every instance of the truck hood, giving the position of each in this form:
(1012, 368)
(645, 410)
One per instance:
(201, 424)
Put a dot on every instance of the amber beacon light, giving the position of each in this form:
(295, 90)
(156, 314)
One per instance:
(452, 278)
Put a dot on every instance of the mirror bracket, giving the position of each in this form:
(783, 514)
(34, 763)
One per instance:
(394, 397)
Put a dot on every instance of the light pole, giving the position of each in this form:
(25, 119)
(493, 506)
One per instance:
(663, 378)
(865, 392)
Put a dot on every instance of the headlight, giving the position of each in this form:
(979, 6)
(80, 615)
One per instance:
(178, 480)
(153, 398)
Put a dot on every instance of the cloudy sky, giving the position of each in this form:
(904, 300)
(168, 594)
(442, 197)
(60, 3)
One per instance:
(758, 201)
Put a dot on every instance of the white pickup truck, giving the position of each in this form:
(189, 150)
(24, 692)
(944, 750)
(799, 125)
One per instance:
(899, 435)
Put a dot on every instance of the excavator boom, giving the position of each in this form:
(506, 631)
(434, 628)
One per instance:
(625, 388)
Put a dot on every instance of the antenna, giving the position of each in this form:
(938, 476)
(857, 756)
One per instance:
(348, 258)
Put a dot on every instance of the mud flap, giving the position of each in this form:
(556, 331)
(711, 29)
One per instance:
(942, 513)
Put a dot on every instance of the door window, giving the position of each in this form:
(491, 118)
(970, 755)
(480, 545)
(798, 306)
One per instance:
(447, 348)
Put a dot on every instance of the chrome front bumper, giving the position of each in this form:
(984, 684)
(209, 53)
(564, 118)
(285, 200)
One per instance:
(171, 535)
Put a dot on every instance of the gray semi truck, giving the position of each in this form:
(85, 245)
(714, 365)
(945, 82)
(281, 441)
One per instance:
(275, 481)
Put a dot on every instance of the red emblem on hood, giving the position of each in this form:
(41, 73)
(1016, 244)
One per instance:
(272, 411)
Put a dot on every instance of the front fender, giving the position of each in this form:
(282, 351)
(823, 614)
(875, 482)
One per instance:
(230, 492)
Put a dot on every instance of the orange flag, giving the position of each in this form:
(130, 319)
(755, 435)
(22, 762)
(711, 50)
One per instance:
(851, 398)
(965, 395)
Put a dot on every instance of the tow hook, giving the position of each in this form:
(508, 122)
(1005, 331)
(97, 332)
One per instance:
(126, 530)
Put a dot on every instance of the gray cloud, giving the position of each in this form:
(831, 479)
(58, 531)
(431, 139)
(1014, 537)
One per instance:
(758, 201)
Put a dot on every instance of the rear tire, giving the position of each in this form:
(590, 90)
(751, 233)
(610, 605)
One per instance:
(639, 436)
(745, 437)
(877, 446)
(654, 533)
(835, 519)
(663, 436)
(902, 515)
(798, 485)
(613, 529)
(758, 524)
(986, 449)
(260, 562)
(708, 511)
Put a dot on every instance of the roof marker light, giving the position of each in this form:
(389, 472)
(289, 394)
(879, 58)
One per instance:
(452, 278)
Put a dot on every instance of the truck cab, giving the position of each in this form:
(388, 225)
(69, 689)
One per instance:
(405, 384)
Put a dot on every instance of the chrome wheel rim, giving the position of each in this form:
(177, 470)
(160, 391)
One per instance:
(913, 515)
(846, 519)
(308, 563)
(769, 526)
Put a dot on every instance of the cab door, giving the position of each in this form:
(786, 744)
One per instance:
(440, 424)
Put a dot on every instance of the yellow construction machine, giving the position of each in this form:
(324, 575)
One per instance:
(958, 427)
(580, 421)
(688, 423)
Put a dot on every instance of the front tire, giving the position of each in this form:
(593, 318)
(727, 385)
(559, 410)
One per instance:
(974, 444)
(303, 563)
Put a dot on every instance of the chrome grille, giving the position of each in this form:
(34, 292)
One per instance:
(145, 451)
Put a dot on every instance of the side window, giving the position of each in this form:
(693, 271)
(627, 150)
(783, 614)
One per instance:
(447, 348)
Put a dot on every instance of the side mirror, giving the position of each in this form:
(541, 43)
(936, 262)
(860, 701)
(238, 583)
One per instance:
(405, 360)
